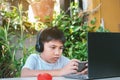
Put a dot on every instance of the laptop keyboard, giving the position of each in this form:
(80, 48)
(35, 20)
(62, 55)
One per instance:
(76, 76)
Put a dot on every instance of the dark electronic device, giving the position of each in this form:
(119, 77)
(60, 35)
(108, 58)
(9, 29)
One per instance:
(82, 65)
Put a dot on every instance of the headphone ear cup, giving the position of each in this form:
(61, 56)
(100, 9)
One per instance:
(39, 46)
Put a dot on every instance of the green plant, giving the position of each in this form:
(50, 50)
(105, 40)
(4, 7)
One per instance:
(13, 32)
(12, 37)
(75, 28)
(7, 66)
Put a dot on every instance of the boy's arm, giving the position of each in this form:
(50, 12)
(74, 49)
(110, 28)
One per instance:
(71, 67)
(67, 69)
(32, 73)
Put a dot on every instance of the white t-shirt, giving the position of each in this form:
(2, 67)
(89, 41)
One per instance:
(35, 62)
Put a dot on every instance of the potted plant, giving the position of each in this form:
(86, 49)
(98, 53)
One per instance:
(42, 9)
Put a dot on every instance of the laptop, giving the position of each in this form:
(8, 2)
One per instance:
(103, 56)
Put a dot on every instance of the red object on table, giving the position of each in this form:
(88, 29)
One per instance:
(44, 76)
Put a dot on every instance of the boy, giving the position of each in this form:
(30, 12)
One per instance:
(50, 44)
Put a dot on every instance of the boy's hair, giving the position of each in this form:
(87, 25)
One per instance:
(48, 34)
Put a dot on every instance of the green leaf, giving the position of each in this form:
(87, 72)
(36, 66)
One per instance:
(93, 21)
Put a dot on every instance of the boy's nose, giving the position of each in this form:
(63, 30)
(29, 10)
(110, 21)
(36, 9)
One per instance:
(57, 52)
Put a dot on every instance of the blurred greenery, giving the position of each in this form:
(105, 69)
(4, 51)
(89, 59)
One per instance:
(76, 28)
(14, 30)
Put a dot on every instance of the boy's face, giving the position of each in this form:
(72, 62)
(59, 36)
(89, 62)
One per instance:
(52, 51)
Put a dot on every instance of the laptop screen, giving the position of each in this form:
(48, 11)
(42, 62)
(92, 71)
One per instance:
(103, 55)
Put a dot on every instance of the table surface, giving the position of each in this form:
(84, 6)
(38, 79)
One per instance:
(55, 78)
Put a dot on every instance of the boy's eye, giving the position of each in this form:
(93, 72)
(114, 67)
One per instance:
(53, 47)
(62, 48)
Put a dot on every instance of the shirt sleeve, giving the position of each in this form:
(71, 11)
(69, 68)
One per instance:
(30, 62)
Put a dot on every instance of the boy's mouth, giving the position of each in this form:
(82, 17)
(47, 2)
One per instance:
(56, 58)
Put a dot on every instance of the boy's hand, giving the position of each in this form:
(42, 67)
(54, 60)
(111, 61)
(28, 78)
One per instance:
(71, 67)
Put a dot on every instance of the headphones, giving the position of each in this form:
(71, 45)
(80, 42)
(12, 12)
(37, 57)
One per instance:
(39, 45)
